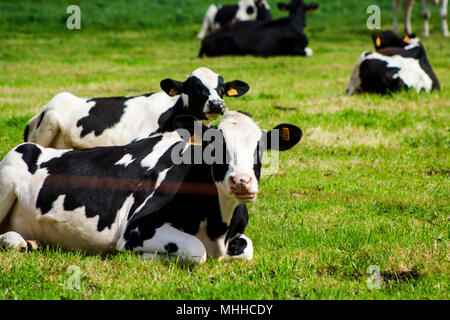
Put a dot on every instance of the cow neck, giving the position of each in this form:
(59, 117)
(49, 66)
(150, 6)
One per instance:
(296, 18)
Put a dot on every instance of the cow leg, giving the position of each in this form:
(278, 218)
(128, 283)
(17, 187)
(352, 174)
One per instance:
(407, 10)
(174, 242)
(426, 17)
(395, 14)
(12, 240)
(208, 21)
(443, 14)
(240, 247)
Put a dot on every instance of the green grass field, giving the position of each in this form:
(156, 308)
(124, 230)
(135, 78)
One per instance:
(367, 185)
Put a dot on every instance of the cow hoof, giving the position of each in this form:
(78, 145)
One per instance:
(12, 240)
(309, 52)
(32, 245)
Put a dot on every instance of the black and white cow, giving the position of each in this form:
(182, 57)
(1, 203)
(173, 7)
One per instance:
(407, 10)
(162, 194)
(398, 64)
(68, 122)
(276, 37)
(217, 16)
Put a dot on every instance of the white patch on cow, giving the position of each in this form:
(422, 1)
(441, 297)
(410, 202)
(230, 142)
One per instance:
(169, 139)
(309, 52)
(242, 14)
(12, 240)
(248, 251)
(214, 248)
(413, 43)
(125, 161)
(189, 247)
(241, 136)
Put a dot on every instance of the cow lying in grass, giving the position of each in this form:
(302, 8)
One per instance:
(268, 38)
(217, 16)
(398, 64)
(68, 122)
(156, 195)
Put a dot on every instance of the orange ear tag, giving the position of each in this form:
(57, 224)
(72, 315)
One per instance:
(406, 38)
(173, 92)
(378, 42)
(311, 10)
(284, 134)
(192, 141)
(232, 92)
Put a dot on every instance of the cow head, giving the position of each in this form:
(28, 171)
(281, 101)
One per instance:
(262, 10)
(389, 39)
(246, 10)
(297, 9)
(202, 92)
(234, 149)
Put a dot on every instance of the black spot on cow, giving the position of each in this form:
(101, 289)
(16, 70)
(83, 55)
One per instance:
(40, 119)
(250, 10)
(377, 77)
(26, 133)
(165, 120)
(30, 154)
(105, 113)
(237, 246)
(171, 247)
(238, 222)
(225, 14)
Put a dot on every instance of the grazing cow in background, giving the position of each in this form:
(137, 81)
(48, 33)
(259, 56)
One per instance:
(407, 9)
(217, 17)
(144, 196)
(68, 122)
(276, 37)
(401, 65)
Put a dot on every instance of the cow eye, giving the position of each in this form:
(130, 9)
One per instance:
(250, 10)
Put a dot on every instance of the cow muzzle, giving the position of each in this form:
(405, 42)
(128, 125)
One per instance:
(240, 186)
(214, 108)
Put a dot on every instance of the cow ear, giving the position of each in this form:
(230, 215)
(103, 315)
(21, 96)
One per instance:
(376, 40)
(172, 87)
(283, 6)
(283, 137)
(235, 88)
(311, 7)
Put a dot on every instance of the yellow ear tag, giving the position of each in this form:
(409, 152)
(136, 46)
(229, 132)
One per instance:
(311, 10)
(193, 142)
(173, 92)
(284, 134)
(406, 39)
(232, 92)
(378, 42)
